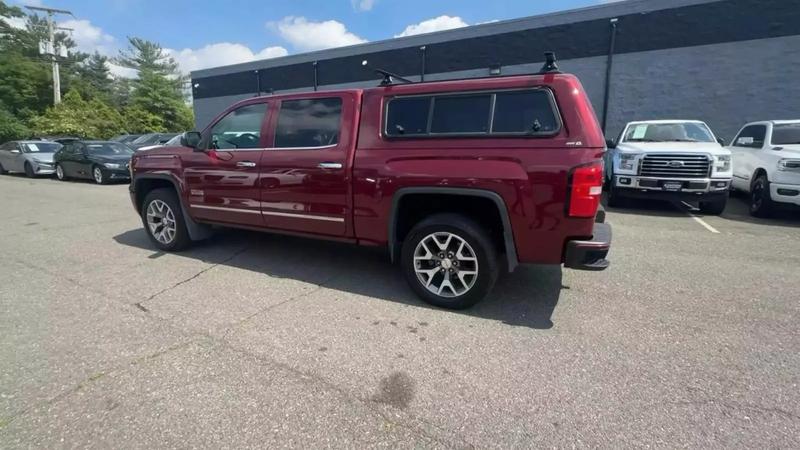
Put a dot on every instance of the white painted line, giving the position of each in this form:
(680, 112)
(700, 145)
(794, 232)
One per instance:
(699, 220)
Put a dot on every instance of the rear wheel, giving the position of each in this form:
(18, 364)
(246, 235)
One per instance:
(449, 261)
(29, 170)
(614, 199)
(163, 220)
(60, 173)
(714, 207)
(760, 198)
(98, 175)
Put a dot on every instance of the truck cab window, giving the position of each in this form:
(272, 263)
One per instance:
(751, 136)
(240, 128)
(309, 123)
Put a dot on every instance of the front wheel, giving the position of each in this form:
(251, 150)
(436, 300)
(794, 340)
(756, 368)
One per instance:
(3, 170)
(29, 170)
(163, 220)
(98, 175)
(760, 198)
(449, 261)
(714, 207)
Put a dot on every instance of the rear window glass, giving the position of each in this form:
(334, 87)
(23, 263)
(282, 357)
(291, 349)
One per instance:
(309, 123)
(786, 134)
(522, 112)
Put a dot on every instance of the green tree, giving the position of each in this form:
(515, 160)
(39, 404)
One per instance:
(76, 116)
(138, 120)
(157, 89)
(10, 127)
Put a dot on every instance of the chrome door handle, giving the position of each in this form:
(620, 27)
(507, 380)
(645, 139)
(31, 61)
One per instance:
(245, 164)
(329, 165)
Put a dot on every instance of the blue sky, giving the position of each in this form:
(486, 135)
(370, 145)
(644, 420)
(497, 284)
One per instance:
(206, 34)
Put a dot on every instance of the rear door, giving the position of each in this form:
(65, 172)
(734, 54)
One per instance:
(223, 180)
(304, 178)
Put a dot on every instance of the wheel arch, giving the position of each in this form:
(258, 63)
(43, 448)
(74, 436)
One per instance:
(756, 174)
(141, 185)
(507, 233)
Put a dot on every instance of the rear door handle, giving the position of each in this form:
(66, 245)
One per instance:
(329, 165)
(245, 164)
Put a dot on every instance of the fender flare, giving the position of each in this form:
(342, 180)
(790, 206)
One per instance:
(197, 231)
(508, 233)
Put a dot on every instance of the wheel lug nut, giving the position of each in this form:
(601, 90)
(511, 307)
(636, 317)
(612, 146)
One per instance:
(451, 270)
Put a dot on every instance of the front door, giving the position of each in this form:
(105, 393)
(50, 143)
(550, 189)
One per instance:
(744, 150)
(222, 180)
(304, 174)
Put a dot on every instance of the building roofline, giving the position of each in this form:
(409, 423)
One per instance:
(600, 11)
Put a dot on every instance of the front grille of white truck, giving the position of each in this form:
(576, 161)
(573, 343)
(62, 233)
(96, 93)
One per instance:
(675, 166)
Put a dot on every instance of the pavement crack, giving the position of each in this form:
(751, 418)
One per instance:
(186, 280)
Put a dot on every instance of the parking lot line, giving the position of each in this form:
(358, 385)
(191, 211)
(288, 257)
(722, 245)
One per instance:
(702, 222)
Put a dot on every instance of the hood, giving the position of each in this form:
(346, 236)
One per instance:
(712, 148)
(111, 158)
(43, 157)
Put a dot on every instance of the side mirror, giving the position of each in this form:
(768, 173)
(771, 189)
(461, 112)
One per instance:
(611, 143)
(721, 141)
(191, 139)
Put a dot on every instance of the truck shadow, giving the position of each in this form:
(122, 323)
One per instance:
(525, 298)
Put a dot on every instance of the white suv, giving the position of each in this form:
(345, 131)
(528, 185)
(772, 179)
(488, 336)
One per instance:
(670, 160)
(766, 164)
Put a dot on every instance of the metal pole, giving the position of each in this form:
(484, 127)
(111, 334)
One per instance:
(316, 77)
(609, 63)
(422, 70)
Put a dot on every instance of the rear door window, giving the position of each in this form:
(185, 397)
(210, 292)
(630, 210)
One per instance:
(308, 123)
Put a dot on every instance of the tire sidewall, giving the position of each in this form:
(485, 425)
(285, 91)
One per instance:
(60, 170)
(29, 170)
(764, 208)
(484, 251)
(102, 175)
(167, 196)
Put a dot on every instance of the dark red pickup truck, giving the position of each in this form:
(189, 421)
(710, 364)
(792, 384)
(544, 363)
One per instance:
(459, 179)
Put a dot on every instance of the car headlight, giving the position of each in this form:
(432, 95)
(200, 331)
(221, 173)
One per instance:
(789, 165)
(627, 161)
(723, 163)
(112, 165)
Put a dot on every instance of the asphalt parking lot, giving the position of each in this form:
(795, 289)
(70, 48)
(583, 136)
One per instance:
(690, 339)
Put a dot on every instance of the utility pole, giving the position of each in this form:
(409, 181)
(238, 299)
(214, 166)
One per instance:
(50, 46)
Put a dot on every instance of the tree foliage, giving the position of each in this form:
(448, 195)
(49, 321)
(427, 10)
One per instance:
(96, 103)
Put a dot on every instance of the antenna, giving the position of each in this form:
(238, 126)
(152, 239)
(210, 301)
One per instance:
(550, 65)
(388, 77)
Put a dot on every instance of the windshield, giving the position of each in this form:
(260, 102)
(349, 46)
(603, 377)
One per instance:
(146, 139)
(786, 134)
(41, 147)
(175, 141)
(109, 149)
(668, 132)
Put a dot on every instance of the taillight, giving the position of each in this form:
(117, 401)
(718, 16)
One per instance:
(586, 186)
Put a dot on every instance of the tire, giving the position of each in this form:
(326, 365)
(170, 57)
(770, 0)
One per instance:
(60, 173)
(714, 207)
(29, 171)
(3, 170)
(613, 198)
(478, 254)
(761, 204)
(98, 176)
(165, 204)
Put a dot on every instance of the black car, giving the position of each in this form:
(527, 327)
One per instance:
(101, 161)
(126, 138)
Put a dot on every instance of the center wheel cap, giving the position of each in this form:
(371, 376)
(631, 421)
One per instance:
(446, 263)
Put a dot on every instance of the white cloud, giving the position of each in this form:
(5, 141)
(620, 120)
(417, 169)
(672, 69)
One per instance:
(220, 54)
(436, 24)
(89, 38)
(305, 35)
(363, 5)
(119, 71)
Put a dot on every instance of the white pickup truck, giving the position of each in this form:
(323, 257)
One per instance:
(678, 160)
(766, 164)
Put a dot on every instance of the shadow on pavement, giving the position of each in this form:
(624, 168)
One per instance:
(525, 298)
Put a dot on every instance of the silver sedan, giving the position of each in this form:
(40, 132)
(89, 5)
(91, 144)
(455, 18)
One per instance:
(31, 157)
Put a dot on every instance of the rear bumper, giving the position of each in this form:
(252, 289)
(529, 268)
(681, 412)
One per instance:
(590, 254)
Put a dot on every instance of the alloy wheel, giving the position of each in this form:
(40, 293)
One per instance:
(98, 175)
(757, 198)
(59, 172)
(446, 264)
(161, 221)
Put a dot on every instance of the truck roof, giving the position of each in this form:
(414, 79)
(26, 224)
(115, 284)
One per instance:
(665, 121)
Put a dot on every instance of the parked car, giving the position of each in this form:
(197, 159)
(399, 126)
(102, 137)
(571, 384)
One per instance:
(457, 178)
(766, 164)
(101, 161)
(30, 157)
(152, 139)
(175, 140)
(670, 160)
(126, 138)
